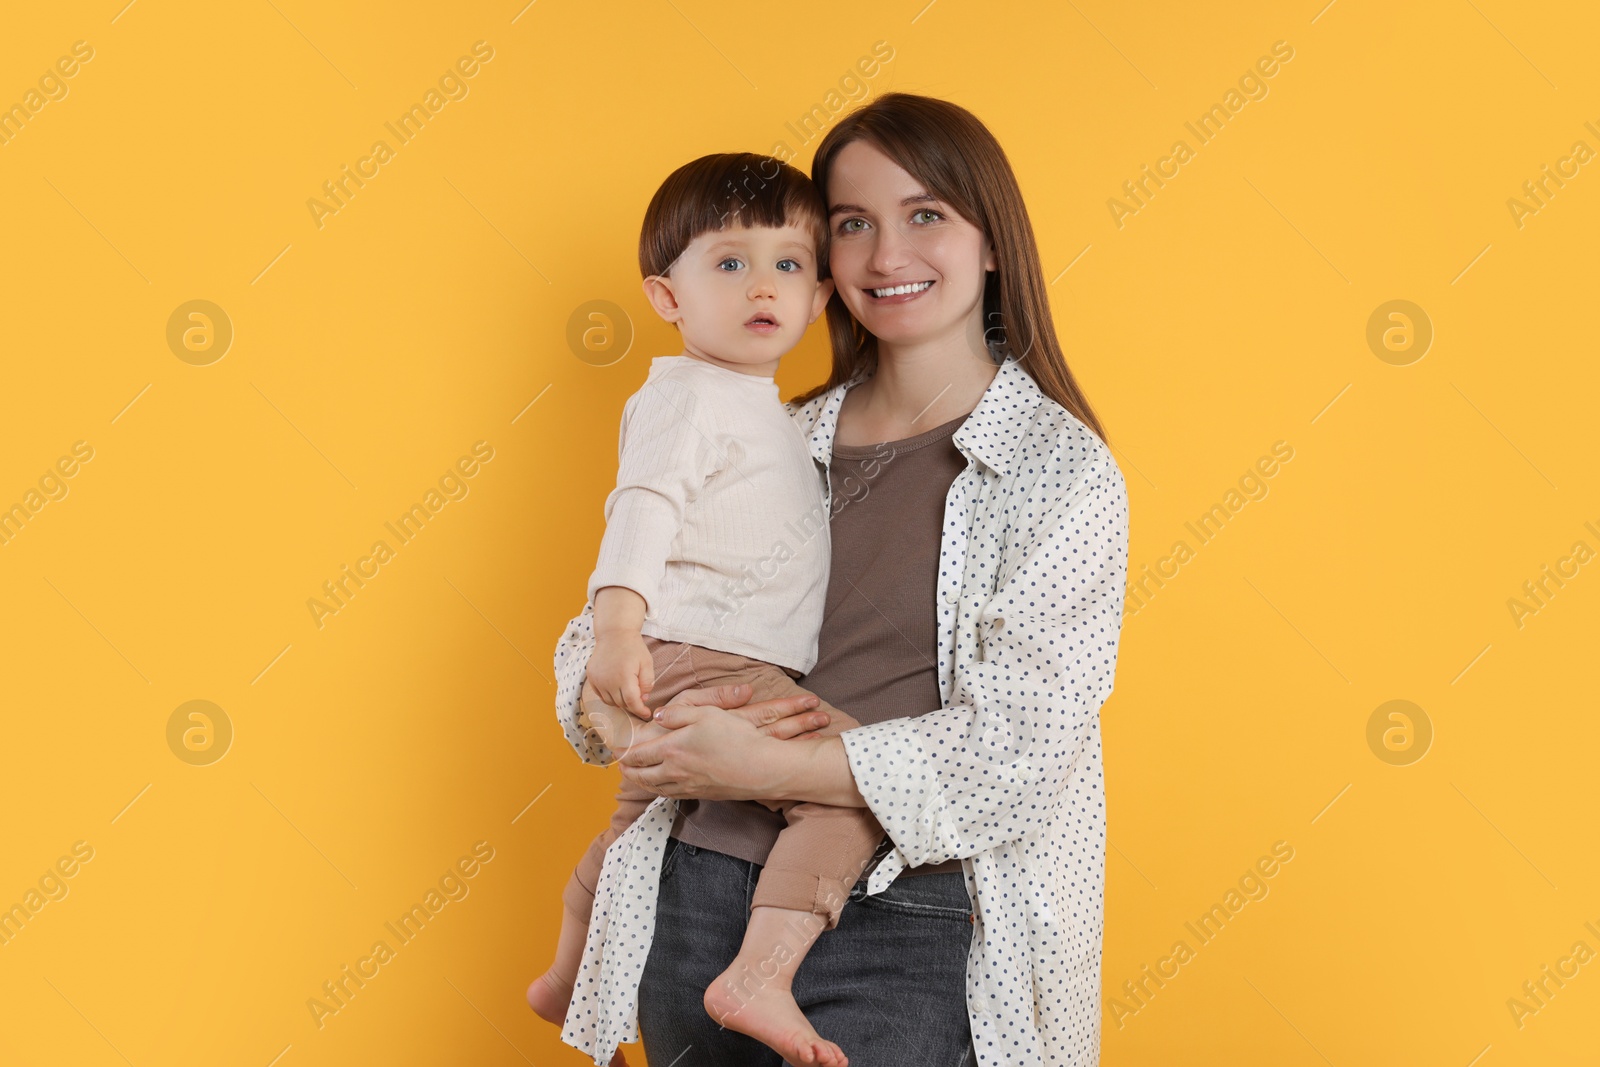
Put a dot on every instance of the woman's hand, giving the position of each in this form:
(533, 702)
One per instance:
(720, 748)
(782, 719)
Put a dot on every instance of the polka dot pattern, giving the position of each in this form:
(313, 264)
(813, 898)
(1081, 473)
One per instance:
(1006, 777)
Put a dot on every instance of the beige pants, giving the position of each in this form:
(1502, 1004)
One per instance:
(822, 850)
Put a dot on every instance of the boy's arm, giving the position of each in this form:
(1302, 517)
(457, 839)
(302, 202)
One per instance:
(665, 457)
(620, 670)
(618, 609)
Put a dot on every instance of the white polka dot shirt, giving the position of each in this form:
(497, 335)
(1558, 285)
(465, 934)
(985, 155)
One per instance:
(1005, 777)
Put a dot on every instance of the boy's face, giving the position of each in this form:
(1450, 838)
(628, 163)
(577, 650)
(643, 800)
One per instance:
(743, 296)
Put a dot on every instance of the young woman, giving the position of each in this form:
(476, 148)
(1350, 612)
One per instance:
(966, 474)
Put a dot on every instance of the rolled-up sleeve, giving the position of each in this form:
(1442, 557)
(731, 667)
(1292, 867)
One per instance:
(990, 768)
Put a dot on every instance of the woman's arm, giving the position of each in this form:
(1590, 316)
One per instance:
(727, 755)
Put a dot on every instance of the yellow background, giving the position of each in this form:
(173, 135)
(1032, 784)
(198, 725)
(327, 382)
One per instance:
(431, 312)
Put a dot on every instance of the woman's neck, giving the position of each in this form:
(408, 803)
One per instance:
(915, 388)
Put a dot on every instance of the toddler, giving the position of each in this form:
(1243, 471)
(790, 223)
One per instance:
(714, 563)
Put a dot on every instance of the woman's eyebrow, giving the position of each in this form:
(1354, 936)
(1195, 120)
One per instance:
(919, 198)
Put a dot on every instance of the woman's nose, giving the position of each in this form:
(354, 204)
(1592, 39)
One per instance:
(891, 251)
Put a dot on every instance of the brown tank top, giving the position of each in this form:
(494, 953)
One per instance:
(877, 653)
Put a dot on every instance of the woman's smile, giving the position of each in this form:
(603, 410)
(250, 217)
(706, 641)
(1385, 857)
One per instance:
(899, 294)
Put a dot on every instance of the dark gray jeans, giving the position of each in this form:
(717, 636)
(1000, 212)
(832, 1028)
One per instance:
(888, 984)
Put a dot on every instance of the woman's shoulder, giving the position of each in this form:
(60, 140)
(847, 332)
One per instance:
(1067, 441)
(1058, 453)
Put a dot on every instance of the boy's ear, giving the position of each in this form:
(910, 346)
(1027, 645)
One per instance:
(658, 290)
(820, 301)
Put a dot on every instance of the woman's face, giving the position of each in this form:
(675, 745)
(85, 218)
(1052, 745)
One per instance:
(889, 232)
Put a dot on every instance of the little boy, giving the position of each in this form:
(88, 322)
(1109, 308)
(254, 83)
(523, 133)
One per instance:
(714, 564)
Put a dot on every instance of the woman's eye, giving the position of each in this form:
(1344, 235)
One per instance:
(725, 262)
(927, 211)
(844, 227)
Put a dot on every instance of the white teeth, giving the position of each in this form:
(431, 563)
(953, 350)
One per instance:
(900, 290)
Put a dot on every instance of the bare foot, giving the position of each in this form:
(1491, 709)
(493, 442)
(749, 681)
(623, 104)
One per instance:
(754, 995)
(549, 996)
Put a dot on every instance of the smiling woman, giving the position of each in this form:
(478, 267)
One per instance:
(974, 605)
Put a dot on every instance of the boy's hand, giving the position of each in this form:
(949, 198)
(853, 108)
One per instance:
(621, 671)
(616, 729)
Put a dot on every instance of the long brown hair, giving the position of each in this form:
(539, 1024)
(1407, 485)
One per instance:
(953, 154)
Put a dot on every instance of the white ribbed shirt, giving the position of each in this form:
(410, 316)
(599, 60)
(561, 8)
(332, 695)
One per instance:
(718, 519)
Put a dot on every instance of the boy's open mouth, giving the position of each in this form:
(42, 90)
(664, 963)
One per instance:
(899, 294)
(762, 321)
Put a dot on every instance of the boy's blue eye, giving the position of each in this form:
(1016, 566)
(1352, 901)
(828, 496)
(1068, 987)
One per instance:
(793, 264)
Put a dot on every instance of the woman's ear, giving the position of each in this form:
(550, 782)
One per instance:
(989, 260)
(658, 290)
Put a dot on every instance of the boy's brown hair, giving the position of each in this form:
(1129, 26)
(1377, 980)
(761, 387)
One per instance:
(728, 189)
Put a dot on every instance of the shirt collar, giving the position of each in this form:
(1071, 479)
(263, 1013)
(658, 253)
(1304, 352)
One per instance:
(990, 434)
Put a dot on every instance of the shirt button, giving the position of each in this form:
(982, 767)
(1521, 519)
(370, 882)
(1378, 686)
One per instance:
(952, 596)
